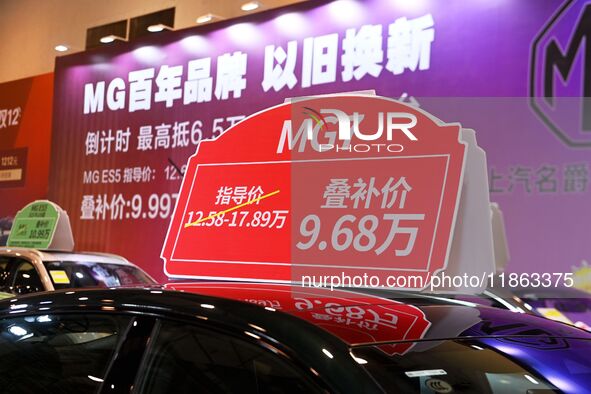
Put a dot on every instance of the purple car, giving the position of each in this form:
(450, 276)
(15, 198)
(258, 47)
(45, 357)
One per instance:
(568, 305)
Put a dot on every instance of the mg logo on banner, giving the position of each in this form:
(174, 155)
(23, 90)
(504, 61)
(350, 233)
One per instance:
(560, 74)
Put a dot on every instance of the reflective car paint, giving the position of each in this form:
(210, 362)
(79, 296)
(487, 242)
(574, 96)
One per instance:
(39, 258)
(548, 349)
(569, 305)
(302, 302)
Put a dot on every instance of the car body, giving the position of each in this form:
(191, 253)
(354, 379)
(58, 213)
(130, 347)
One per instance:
(566, 304)
(267, 338)
(24, 270)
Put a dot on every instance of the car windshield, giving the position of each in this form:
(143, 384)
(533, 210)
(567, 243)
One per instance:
(474, 366)
(78, 274)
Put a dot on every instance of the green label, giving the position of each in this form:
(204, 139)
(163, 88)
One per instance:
(34, 226)
(5, 295)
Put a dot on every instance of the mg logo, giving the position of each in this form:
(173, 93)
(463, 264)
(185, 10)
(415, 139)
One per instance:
(317, 128)
(395, 121)
(560, 74)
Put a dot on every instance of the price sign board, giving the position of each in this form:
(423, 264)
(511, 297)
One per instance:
(41, 225)
(34, 226)
(346, 185)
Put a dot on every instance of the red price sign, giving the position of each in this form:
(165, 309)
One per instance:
(363, 319)
(342, 186)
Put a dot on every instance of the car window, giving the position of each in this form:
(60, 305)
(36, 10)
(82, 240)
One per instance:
(57, 353)
(460, 366)
(26, 279)
(5, 266)
(185, 359)
(81, 274)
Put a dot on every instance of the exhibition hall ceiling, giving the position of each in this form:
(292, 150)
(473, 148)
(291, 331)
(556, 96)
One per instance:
(32, 28)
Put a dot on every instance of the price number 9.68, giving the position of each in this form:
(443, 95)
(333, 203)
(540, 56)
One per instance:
(360, 234)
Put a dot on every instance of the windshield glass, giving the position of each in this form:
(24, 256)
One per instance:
(476, 366)
(77, 274)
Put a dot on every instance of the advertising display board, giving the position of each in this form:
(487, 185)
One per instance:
(319, 194)
(25, 142)
(41, 225)
(128, 117)
(34, 226)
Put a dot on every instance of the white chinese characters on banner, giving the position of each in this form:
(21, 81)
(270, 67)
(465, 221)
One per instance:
(102, 141)
(364, 195)
(119, 206)
(145, 138)
(283, 73)
(162, 136)
(10, 117)
(140, 90)
(199, 84)
(229, 199)
(338, 192)
(409, 44)
(197, 87)
(169, 85)
(236, 195)
(174, 135)
(319, 62)
(364, 52)
(231, 74)
(180, 134)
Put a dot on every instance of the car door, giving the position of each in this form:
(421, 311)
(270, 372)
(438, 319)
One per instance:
(25, 278)
(6, 266)
(106, 352)
(185, 358)
(58, 352)
(19, 276)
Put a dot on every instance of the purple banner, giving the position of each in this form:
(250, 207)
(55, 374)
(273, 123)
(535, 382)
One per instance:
(127, 117)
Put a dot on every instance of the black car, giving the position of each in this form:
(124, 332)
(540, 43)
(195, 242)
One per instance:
(263, 338)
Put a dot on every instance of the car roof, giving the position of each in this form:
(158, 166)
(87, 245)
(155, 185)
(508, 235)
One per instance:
(354, 318)
(419, 316)
(46, 255)
(294, 329)
(290, 335)
(550, 292)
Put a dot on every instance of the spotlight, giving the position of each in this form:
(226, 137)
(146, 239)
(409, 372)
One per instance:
(158, 28)
(250, 6)
(110, 38)
(207, 18)
(61, 48)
